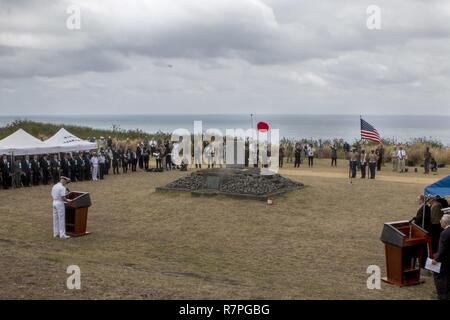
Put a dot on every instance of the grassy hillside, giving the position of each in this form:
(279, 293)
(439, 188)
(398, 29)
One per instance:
(45, 130)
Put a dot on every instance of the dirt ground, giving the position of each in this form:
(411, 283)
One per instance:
(314, 243)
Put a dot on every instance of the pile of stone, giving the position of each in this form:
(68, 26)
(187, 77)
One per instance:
(258, 185)
(192, 182)
(247, 182)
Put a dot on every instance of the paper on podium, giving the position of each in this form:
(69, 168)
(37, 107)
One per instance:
(432, 267)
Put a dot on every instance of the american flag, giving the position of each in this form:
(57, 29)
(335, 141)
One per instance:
(368, 132)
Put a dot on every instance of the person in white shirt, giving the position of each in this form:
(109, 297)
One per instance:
(94, 166)
(401, 155)
(59, 211)
(311, 153)
(210, 155)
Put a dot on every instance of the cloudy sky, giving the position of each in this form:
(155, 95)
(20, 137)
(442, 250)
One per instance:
(224, 56)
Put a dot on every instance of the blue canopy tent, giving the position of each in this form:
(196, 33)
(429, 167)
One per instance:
(440, 188)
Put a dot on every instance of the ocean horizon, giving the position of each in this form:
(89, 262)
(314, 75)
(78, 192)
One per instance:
(401, 128)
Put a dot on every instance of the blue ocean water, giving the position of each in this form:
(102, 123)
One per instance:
(399, 127)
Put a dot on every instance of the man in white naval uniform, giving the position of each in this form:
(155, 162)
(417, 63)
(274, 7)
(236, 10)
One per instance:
(59, 211)
(94, 165)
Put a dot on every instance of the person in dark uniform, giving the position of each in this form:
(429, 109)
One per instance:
(168, 153)
(423, 221)
(125, 163)
(65, 165)
(134, 160)
(139, 152)
(108, 158)
(109, 142)
(76, 173)
(380, 154)
(101, 165)
(280, 156)
(45, 166)
(87, 167)
(146, 157)
(442, 279)
(297, 155)
(129, 158)
(116, 161)
(36, 170)
(80, 167)
(26, 169)
(55, 167)
(419, 218)
(435, 229)
(72, 169)
(6, 170)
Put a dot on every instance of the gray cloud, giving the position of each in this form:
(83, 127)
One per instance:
(234, 55)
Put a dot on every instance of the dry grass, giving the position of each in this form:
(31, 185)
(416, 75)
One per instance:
(314, 243)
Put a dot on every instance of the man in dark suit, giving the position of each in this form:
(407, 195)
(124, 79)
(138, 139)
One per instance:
(436, 226)
(116, 161)
(26, 169)
(55, 166)
(442, 279)
(146, 157)
(72, 169)
(125, 162)
(139, 152)
(87, 167)
(65, 166)
(45, 166)
(80, 167)
(298, 155)
(5, 168)
(36, 170)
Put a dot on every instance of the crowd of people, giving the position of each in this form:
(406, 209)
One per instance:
(116, 157)
(32, 170)
(298, 153)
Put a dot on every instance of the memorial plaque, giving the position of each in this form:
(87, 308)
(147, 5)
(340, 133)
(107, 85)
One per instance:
(212, 182)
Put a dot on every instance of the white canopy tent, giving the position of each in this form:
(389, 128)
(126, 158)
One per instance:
(64, 141)
(22, 143)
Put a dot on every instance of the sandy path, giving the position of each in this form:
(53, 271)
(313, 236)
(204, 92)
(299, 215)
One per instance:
(391, 177)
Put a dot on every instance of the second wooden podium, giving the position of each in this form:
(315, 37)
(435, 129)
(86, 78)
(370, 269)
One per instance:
(406, 246)
(76, 213)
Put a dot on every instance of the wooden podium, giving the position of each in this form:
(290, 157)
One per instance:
(76, 213)
(406, 245)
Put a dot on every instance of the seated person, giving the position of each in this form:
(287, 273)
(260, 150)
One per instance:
(433, 165)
